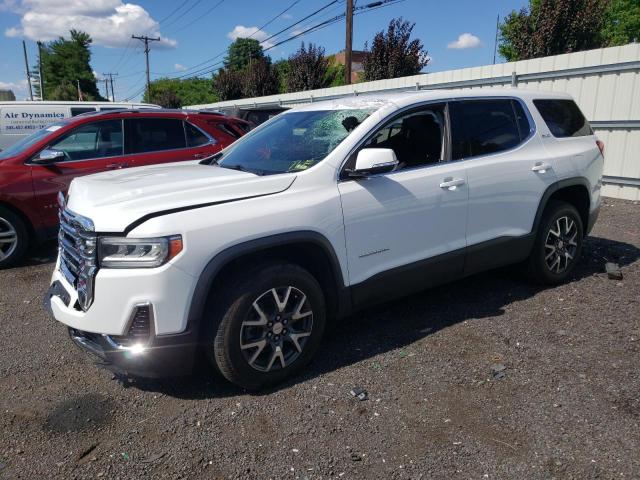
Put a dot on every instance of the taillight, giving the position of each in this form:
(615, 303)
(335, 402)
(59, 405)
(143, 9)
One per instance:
(600, 144)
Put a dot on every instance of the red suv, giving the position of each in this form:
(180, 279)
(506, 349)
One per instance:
(35, 169)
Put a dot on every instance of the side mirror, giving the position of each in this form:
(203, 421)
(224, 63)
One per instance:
(47, 156)
(373, 160)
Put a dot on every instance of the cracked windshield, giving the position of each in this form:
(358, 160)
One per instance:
(293, 142)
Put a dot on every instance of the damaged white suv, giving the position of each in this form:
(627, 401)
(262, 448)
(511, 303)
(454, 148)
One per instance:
(325, 209)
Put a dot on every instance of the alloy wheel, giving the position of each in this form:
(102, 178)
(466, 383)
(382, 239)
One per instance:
(561, 244)
(277, 328)
(8, 239)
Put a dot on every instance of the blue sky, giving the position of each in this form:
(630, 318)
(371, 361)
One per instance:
(193, 31)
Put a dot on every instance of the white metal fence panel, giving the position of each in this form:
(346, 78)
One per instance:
(604, 82)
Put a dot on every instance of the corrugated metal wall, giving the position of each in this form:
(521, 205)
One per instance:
(604, 82)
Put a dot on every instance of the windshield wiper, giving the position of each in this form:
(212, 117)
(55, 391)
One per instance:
(241, 168)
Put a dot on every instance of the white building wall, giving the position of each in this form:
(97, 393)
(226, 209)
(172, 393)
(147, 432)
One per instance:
(605, 83)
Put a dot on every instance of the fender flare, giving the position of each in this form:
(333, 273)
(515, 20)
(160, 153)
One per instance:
(221, 259)
(553, 188)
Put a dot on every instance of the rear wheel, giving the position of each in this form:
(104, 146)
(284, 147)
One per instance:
(558, 244)
(267, 326)
(13, 238)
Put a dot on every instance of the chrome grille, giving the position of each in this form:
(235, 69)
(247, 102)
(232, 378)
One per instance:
(78, 263)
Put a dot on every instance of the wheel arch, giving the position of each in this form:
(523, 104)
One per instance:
(309, 249)
(572, 190)
(31, 231)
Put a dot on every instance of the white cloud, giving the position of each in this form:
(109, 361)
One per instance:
(295, 32)
(240, 31)
(465, 40)
(109, 22)
(17, 87)
(179, 67)
(286, 16)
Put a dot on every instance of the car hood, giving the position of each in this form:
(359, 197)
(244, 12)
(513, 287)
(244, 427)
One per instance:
(115, 200)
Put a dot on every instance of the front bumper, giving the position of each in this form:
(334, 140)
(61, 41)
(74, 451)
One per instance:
(164, 357)
(172, 343)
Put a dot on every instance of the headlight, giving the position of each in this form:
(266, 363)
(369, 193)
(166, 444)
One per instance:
(120, 252)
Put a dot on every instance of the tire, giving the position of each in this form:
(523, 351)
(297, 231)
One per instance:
(256, 347)
(14, 239)
(557, 246)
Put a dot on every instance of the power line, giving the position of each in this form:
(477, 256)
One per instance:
(172, 22)
(200, 17)
(357, 11)
(174, 11)
(110, 75)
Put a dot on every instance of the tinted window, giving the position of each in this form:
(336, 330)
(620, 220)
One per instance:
(482, 127)
(95, 140)
(417, 138)
(195, 137)
(80, 110)
(563, 117)
(154, 134)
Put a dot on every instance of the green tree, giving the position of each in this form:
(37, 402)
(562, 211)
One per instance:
(179, 92)
(282, 69)
(334, 77)
(622, 22)
(241, 52)
(394, 54)
(308, 69)
(553, 27)
(64, 64)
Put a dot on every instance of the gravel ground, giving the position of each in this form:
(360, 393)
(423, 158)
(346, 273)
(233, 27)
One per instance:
(566, 406)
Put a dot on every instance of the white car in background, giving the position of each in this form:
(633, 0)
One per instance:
(323, 210)
(20, 119)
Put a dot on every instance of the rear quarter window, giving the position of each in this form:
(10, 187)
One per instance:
(564, 118)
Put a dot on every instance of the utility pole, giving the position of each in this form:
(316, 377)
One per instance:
(106, 86)
(146, 41)
(495, 43)
(26, 66)
(40, 79)
(348, 43)
(110, 75)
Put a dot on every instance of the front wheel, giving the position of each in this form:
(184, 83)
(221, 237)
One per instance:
(267, 325)
(557, 246)
(13, 238)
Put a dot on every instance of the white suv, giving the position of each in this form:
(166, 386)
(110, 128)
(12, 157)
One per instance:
(322, 210)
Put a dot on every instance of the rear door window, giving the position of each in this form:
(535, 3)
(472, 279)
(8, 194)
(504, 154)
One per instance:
(195, 137)
(483, 127)
(564, 118)
(154, 134)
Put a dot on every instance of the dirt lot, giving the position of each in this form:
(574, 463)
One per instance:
(568, 405)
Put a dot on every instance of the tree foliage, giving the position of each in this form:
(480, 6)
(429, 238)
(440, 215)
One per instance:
(175, 92)
(394, 54)
(241, 52)
(64, 64)
(553, 27)
(622, 22)
(228, 84)
(308, 69)
(259, 79)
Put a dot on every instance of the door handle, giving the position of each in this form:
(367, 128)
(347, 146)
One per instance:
(116, 166)
(540, 167)
(451, 183)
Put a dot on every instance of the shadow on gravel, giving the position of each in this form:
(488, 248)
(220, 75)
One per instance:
(402, 322)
